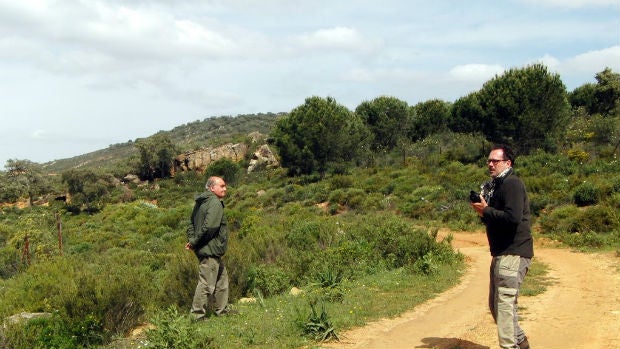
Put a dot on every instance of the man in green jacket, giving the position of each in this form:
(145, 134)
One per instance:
(207, 236)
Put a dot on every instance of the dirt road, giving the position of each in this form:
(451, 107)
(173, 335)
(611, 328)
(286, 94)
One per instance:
(581, 310)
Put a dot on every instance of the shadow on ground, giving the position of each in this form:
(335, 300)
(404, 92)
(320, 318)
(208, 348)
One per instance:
(449, 343)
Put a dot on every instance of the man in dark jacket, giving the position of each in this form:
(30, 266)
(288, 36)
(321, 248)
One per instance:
(504, 209)
(207, 236)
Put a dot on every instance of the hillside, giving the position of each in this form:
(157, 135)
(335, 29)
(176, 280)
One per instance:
(211, 131)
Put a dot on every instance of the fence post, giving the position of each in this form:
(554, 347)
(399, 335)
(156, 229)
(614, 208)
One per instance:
(59, 228)
(26, 251)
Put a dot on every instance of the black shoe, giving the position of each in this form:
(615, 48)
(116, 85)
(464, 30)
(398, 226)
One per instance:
(524, 344)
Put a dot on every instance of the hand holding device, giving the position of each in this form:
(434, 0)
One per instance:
(474, 197)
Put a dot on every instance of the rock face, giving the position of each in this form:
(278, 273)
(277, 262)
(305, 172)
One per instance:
(263, 159)
(21, 317)
(198, 160)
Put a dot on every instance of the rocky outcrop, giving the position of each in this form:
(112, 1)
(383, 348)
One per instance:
(256, 137)
(22, 317)
(198, 160)
(263, 159)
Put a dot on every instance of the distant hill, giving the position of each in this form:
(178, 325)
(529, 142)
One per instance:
(209, 132)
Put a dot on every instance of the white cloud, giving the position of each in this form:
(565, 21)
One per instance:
(395, 75)
(583, 67)
(476, 72)
(595, 60)
(154, 64)
(38, 134)
(337, 38)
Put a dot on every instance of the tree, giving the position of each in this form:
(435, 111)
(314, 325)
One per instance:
(527, 108)
(26, 179)
(318, 133)
(607, 92)
(600, 98)
(88, 189)
(583, 96)
(466, 114)
(225, 168)
(430, 117)
(10, 190)
(156, 156)
(387, 119)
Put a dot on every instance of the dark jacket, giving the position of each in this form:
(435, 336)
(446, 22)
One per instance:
(507, 219)
(208, 229)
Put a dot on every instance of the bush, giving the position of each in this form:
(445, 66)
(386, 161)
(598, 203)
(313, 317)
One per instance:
(171, 330)
(10, 262)
(586, 194)
(561, 220)
(268, 279)
(598, 219)
(587, 239)
(340, 182)
(571, 219)
(229, 170)
(54, 332)
(180, 280)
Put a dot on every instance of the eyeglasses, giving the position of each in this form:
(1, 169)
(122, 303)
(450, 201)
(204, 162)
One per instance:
(494, 161)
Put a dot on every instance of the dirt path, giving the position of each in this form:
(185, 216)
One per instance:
(581, 310)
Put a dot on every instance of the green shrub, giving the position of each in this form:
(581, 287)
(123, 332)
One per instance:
(351, 197)
(560, 220)
(340, 182)
(586, 239)
(426, 265)
(570, 219)
(268, 279)
(586, 194)
(541, 164)
(538, 202)
(180, 279)
(225, 168)
(615, 200)
(10, 262)
(54, 332)
(394, 240)
(172, 330)
(598, 219)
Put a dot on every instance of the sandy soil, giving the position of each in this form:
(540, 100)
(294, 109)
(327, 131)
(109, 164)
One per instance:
(581, 310)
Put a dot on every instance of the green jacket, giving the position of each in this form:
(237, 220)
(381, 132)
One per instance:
(208, 228)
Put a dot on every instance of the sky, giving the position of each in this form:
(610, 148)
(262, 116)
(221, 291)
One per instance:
(78, 76)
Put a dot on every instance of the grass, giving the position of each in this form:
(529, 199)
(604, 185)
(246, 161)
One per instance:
(537, 279)
(279, 321)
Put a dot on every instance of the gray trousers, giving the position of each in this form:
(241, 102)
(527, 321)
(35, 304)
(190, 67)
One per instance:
(212, 288)
(507, 274)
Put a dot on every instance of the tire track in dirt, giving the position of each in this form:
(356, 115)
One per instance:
(581, 310)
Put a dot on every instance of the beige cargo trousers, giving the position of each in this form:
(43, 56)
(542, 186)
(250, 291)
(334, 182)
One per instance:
(212, 288)
(507, 274)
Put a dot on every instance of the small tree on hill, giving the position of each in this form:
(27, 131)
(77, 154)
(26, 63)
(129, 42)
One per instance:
(225, 168)
(26, 179)
(318, 134)
(526, 107)
(429, 117)
(387, 119)
(88, 189)
(156, 156)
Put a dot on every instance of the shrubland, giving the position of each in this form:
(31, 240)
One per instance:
(330, 236)
(350, 222)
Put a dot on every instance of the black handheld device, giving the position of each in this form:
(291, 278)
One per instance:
(473, 196)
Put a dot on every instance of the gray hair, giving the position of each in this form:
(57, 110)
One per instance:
(211, 182)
